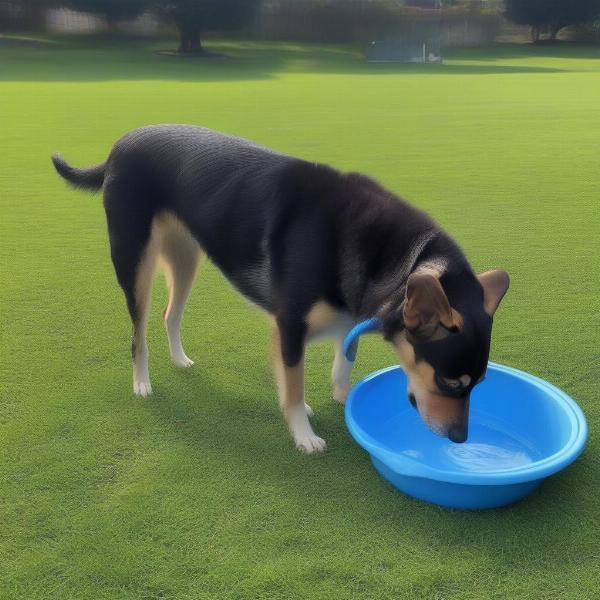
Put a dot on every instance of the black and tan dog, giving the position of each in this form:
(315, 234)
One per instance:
(318, 250)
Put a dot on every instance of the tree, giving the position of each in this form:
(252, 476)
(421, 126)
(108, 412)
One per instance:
(25, 14)
(551, 14)
(112, 10)
(195, 17)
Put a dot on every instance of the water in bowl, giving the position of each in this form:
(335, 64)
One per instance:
(489, 447)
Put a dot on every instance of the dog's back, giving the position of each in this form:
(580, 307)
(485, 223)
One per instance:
(175, 158)
(185, 154)
(252, 209)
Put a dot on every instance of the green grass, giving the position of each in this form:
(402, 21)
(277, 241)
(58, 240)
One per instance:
(197, 492)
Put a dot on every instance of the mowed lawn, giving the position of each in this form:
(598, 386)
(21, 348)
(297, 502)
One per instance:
(197, 491)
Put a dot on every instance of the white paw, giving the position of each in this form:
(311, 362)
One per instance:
(309, 411)
(310, 444)
(340, 394)
(142, 388)
(182, 361)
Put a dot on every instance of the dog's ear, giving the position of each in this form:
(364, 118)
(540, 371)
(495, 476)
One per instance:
(426, 306)
(495, 285)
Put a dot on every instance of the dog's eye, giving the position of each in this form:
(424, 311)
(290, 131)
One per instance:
(453, 387)
(452, 384)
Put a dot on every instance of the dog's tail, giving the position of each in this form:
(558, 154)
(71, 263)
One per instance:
(91, 178)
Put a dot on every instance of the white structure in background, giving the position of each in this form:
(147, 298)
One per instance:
(63, 20)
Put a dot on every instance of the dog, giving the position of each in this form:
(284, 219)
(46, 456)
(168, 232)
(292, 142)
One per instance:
(316, 249)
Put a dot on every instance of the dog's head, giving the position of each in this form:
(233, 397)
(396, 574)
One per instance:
(441, 331)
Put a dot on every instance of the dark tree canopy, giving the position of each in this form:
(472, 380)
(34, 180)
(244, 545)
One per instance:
(551, 14)
(194, 17)
(28, 14)
(111, 10)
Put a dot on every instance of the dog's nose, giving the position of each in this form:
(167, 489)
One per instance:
(457, 434)
(412, 400)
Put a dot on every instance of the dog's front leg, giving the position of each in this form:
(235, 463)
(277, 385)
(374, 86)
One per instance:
(340, 373)
(288, 358)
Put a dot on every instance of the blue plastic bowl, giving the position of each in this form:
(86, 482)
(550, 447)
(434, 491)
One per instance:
(521, 430)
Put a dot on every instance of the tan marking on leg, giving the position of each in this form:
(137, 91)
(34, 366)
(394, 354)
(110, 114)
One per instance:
(143, 293)
(180, 255)
(290, 383)
(277, 364)
(340, 372)
(325, 321)
(320, 318)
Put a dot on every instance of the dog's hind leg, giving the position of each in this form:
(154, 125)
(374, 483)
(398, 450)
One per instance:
(143, 291)
(180, 254)
(134, 252)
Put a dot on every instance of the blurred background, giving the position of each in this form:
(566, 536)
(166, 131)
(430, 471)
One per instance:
(453, 22)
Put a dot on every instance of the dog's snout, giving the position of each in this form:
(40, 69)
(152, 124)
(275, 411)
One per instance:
(457, 434)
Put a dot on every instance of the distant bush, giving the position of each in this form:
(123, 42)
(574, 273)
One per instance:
(551, 15)
(24, 15)
(588, 32)
(112, 10)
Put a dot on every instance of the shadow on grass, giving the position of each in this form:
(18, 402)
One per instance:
(559, 49)
(82, 59)
(230, 432)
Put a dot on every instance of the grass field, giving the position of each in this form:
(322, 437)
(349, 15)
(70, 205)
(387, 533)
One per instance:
(197, 492)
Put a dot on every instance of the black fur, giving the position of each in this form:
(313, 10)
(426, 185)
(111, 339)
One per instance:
(286, 232)
(91, 178)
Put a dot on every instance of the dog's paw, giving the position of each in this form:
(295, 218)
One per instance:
(340, 394)
(142, 388)
(311, 444)
(309, 411)
(182, 361)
